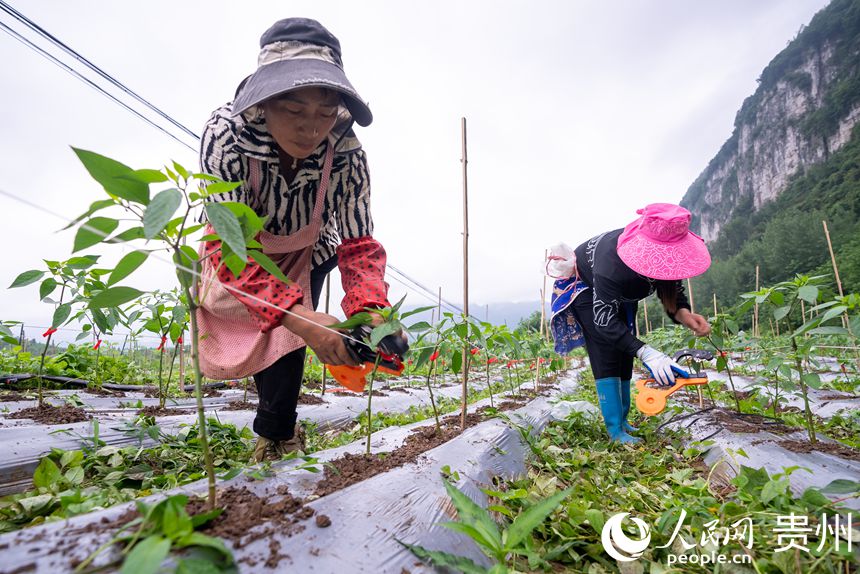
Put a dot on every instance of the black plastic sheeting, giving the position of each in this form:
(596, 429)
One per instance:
(367, 518)
(19, 378)
(25, 442)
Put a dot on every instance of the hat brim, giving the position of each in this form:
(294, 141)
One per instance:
(287, 75)
(665, 261)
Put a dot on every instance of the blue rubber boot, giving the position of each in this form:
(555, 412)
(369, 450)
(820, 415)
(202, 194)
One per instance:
(625, 407)
(609, 397)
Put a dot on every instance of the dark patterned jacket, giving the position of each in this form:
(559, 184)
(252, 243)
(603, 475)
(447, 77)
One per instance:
(347, 226)
(612, 284)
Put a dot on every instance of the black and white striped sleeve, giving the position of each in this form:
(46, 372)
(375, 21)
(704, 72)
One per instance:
(218, 158)
(353, 218)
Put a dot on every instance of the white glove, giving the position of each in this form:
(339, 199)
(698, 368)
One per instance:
(560, 261)
(662, 368)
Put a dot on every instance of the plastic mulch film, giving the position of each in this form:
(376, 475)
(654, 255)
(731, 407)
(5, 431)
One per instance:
(824, 402)
(765, 449)
(25, 443)
(367, 518)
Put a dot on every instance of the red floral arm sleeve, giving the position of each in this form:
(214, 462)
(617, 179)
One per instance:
(256, 281)
(362, 269)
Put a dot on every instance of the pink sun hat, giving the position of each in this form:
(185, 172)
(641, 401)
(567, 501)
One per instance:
(660, 244)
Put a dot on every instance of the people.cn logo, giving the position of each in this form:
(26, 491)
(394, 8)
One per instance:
(620, 546)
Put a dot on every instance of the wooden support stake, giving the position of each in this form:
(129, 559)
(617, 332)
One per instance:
(465, 161)
(544, 328)
(181, 365)
(756, 330)
(439, 312)
(647, 326)
(690, 291)
(835, 270)
(327, 299)
(715, 305)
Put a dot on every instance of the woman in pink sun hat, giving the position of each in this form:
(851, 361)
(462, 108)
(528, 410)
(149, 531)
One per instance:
(597, 304)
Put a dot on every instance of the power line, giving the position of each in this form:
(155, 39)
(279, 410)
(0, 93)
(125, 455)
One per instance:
(116, 83)
(432, 295)
(41, 51)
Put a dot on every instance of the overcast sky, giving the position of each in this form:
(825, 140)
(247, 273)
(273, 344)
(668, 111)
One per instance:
(579, 112)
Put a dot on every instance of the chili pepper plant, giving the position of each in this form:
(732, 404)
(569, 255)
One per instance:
(163, 221)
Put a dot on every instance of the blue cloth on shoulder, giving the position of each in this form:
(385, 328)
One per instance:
(566, 331)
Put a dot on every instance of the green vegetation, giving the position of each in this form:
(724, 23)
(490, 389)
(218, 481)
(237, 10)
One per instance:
(786, 236)
(68, 483)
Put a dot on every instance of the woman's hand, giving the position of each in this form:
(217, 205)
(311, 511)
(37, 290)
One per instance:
(694, 322)
(328, 345)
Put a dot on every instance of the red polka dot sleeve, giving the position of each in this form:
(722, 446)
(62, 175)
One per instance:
(361, 261)
(259, 283)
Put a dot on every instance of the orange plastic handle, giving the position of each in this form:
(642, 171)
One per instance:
(354, 378)
(652, 401)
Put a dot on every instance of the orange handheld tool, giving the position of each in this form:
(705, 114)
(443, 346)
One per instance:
(651, 400)
(390, 351)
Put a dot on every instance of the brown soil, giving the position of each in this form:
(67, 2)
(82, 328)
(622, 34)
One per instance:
(352, 468)
(10, 396)
(751, 423)
(248, 517)
(212, 393)
(308, 399)
(399, 389)
(838, 397)
(241, 406)
(100, 392)
(835, 449)
(509, 405)
(379, 394)
(155, 411)
(51, 415)
(323, 521)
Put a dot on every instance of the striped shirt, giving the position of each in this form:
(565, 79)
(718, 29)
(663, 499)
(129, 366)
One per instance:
(228, 143)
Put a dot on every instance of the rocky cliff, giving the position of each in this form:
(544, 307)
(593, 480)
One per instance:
(806, 104)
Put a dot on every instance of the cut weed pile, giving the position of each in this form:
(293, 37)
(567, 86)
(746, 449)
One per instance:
(664, 484)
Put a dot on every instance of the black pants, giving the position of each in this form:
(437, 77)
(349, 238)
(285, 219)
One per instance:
(279, 385)
(605, 359)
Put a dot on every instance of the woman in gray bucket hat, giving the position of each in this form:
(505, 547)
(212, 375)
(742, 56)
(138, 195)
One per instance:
(288, 137)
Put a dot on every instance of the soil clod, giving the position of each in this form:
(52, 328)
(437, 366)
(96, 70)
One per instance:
(51, 415)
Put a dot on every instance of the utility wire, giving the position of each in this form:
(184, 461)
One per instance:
(87, 81)
(57, 42)
(194, 272)
(431, 295)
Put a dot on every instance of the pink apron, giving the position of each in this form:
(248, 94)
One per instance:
(231, 344)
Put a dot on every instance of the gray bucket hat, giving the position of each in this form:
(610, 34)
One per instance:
(299, 53)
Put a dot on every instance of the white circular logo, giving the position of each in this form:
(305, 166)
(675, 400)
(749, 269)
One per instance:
(618, 545)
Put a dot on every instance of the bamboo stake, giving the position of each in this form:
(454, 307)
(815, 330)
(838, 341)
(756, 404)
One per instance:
(835, 271)
(647, 325)
(715, 305)
(543, 300)
(542, 332)
(756, 330)
(439, 313)
(327, 298)
(690, 290)
(181, 365)
(465, 161)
